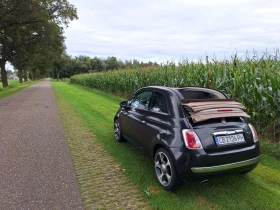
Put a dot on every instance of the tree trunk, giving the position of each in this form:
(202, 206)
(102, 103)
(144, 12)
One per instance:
(57, 76)
(25, 76)
(20, 75)
(3, 73)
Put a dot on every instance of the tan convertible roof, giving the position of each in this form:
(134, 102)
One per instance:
(204, 109)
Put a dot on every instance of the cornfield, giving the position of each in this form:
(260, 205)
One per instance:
(255, 82)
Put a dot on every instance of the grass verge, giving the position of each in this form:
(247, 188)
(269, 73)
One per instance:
(103, 183)
(15, 87)
(10, 82)
(256, 190)
(271, 148)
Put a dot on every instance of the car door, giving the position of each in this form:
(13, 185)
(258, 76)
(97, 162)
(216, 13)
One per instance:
(133, 122)
(159, 123)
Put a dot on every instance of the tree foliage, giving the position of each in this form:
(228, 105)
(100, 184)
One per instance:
(31, 26)
(85, 64)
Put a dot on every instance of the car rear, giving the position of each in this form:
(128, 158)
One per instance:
(217, 145)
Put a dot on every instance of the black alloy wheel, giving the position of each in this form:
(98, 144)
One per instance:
(165, 170)
(117, 131)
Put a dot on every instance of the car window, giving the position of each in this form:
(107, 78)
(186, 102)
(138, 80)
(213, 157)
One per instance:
(198, 94)
(195, 95)
(141, 100)
(159, 103)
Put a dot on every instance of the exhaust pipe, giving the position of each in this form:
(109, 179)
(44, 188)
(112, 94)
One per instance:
(204, 182)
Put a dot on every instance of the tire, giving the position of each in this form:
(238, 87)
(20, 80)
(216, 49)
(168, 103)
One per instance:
(165, 170)
(117, 131)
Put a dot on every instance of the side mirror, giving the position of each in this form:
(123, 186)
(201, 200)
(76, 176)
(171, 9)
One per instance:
(123, 104)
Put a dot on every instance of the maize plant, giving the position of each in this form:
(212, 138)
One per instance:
(253, 82)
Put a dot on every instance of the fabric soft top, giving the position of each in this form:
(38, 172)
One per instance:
(204, 109)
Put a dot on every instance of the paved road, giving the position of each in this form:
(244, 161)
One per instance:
(36, 171)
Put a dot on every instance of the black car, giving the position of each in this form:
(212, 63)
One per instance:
(191, 133)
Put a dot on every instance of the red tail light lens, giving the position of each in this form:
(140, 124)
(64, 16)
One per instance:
(254, 132)
(191, 139)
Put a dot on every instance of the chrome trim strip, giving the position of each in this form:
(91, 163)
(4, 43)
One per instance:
(227, 132)
(200, 170)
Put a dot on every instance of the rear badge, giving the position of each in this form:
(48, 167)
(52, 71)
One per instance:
(223, 120)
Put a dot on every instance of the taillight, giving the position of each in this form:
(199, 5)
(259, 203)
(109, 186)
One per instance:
(254, 132)
(191, 139)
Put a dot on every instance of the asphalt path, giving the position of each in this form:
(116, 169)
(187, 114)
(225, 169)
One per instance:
(36, 171)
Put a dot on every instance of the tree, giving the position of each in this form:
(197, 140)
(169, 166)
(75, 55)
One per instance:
(23, 22)
(97, 64)
(45, 50)
(112, 63)
(61, 65)
(121, 64)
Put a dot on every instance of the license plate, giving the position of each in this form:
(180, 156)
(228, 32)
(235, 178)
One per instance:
(230, 139)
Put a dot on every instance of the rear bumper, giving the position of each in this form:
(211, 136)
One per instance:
(201, 170)
(196, 165)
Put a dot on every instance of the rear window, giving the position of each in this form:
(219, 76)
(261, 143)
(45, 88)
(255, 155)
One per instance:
(198, 94)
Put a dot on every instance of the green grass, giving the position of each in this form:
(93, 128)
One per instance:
(259, 189)
(14, 86)
(90, 160)
(271, 148)
(10, 82)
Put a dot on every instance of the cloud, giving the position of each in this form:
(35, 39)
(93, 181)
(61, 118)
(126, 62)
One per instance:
(161, 30)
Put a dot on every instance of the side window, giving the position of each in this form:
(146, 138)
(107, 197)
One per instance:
(159, 103)
(141, 100)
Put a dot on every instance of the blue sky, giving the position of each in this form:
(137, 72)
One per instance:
(161, 30)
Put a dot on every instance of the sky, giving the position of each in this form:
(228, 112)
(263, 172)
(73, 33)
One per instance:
(161, 30)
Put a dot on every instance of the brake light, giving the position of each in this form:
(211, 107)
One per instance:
(191, 139)
(254, 132)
